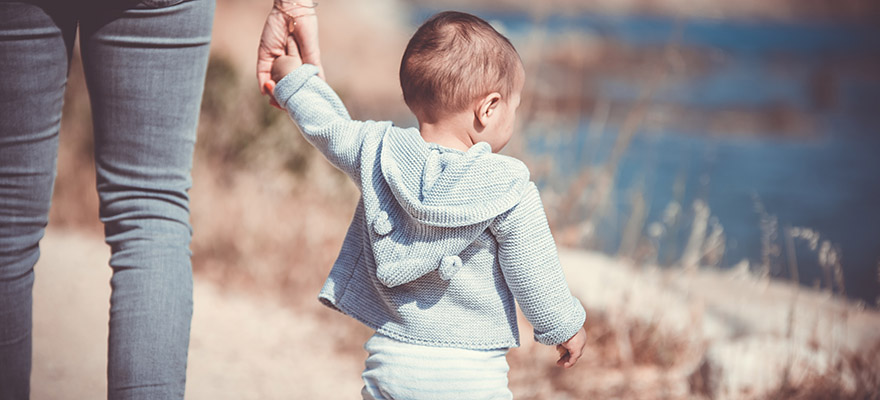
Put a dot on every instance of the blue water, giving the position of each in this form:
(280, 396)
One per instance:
(829, 185)
(828, 181)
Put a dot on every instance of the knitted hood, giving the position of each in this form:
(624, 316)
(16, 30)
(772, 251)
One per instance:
(437, 203)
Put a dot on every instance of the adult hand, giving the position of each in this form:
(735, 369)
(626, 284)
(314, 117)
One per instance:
(288, 20)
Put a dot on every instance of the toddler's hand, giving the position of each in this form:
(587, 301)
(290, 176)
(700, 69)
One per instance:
(572, 349)
(284, 65)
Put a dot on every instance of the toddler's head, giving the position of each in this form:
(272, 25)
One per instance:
(457, 62)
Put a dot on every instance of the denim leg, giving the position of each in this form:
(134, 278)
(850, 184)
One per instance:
(34, 51)
(145, 70)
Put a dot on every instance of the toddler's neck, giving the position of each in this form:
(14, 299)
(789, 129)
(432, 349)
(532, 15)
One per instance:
(454, 131)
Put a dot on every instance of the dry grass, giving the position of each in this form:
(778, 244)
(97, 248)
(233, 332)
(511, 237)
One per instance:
(624, 358)
(268, 212)
(855, 376)
(262, 238)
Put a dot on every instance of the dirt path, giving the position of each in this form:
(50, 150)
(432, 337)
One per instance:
(240, 348)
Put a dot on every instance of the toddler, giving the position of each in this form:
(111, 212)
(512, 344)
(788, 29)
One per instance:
(448, 235)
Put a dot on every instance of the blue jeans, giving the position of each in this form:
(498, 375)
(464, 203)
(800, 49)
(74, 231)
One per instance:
(144, 63)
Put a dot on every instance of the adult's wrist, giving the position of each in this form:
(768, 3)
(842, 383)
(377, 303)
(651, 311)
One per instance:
(294, 10)
(295, 6)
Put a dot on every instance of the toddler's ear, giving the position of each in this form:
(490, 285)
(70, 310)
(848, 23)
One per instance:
(486, 108)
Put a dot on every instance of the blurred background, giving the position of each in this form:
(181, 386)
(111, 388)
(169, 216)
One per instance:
(710, 169)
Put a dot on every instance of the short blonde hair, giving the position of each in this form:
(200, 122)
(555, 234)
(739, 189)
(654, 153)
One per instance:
(453, 59)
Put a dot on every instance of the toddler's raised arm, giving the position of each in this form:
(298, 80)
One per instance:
(323, 119)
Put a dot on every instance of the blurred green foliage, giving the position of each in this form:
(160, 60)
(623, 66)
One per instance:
(239, 129)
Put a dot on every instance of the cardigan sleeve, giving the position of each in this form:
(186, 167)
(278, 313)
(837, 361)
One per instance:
(324, 120)
(528, 259)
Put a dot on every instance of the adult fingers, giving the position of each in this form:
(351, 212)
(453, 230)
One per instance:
(293, 49)
(306, 35)
(269, 88)
(273, 43)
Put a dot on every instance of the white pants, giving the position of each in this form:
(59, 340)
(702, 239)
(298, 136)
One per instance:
(403, 371)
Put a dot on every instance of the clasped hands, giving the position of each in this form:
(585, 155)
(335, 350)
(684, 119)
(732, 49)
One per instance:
(289, 39)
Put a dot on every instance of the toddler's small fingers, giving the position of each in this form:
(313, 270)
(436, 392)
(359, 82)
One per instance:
(564, 355)
(573, 356)
(562, 361)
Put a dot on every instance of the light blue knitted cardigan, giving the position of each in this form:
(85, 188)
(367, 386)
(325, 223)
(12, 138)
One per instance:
(442, 241)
